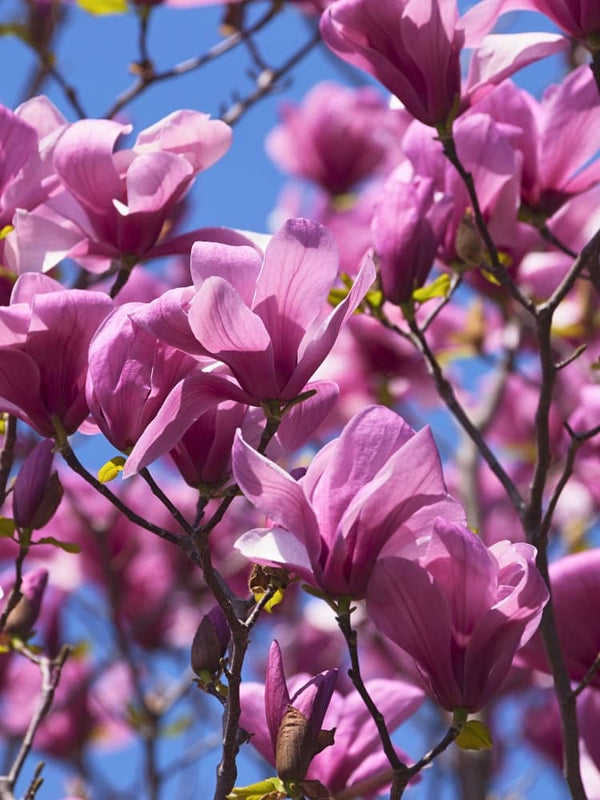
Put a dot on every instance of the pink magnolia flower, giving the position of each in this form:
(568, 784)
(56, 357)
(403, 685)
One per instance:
(408, 225)
(578, 18)
(413, 47)
(337, 137)
(575, 592)
(269, 322)
(115, 205)
(460, 610)
(44, 338)
(28, 138)
(557, 137)
(488, 150)
(130, 374)
(332, 524)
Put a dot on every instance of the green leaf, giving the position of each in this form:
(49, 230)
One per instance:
(7, 528)
(271, 787)
(111, 469)
(101, 8)
(174, 729)
(5, 231)
(475, 735)
(68, 547)
(437, 288)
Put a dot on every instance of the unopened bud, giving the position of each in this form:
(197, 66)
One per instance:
(468, 244)
(296, 745)
(210, 642)
(37, 493)
(23, 617)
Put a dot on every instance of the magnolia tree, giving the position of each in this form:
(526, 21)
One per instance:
(290, 571)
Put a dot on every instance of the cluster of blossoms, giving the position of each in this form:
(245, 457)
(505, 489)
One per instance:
(314, 342)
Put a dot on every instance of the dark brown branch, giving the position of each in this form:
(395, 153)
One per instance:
(496, 267)
(148, 77)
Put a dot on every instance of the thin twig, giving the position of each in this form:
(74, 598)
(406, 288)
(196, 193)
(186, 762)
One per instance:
(7, 454)
(550, 237)
(171, 507)
(69, 456)
(399, 769)
(268, 80)
(454, 285)
(51, 672)
(587, 258)
(496, 267)
(448, 395)
(146, 79)
(588, 677)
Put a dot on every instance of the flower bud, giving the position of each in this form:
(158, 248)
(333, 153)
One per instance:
(23, 617)
(296, 745)
(210, 642)
(37, 493)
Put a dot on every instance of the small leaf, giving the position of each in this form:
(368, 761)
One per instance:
(7, 528)
(490, 278)
(68, 547)
(111, 469)
(271, 787)
(337, 296)
(174, 729)
(437, 288)
(475, 735)
(5, 231)
(100, 8)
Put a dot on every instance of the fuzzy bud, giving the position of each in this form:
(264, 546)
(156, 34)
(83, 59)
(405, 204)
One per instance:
(23, 617)
(210, 642)
(37, 493)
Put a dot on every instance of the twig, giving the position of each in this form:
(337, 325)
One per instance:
(64, 448)
(15, 592)
(267, 81)
(454, 285)
(588, 677)
(496, 267)
(550, 237)
(399, 769)
(587, 258)
(51, 672)
(150, 77)
(448, 395)
(171, 507)
(7, 454)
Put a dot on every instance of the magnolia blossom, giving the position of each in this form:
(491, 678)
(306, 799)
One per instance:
(413, 47)
(460, 609)
(269, 321)
(378, 484)
(114, 204)
(408, 225)
(575, 592)
(337, 137)
(44, 337)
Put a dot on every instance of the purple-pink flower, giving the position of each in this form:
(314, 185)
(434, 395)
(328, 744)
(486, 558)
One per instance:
(44, 338)
(460, 609)
(268, 320)
(378, 484)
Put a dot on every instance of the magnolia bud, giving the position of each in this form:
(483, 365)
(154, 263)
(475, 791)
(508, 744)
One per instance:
(23, 617)
(296, 745)
(37, 493)
(210, 642)
(468, 243)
